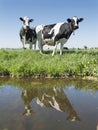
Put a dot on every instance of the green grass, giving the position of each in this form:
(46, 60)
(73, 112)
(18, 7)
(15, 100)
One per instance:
(30, 63)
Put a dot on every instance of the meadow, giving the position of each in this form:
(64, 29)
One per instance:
(30, 63)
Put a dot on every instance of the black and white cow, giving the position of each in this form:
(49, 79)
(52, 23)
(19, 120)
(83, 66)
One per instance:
(56, 33)
(27, 34)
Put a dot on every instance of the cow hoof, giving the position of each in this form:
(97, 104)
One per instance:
(41, 52)
(24, 48)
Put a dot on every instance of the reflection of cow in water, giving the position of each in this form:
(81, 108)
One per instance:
(51, 98)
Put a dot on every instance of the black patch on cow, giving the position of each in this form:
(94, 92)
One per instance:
(64, 32)
(29, 34)
(46, 31)
(34, 33)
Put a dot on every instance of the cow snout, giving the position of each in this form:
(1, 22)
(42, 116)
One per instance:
(76, 27)
(27, 27)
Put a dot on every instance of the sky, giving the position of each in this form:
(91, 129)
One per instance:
(49, 12)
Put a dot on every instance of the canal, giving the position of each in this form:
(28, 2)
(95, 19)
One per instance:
(48, 104)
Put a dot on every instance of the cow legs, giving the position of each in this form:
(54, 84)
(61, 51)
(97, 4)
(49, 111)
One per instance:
(55, 47)
(23, 40)
(30, 46)
(34, 42)
(34, 46)
(62, 42)
(23, 43)
(40, 46)
(61, 48)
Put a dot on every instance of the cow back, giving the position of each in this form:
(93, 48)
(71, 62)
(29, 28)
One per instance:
(46, 31)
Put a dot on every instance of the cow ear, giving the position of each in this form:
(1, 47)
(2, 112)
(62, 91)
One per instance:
(68, 20)
(80, 20)
(31, 20)
(21, 18)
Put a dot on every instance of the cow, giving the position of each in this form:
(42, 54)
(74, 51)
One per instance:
(56, 33)
(27, 34)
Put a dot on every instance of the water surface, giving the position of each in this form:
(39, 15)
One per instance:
(27, 104)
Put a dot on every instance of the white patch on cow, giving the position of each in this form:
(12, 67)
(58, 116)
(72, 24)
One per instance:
(56, 29)
(75, 19)
(25, 17)
(39, 28)
(26, 23)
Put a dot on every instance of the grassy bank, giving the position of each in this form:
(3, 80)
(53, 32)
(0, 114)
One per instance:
(29, 63)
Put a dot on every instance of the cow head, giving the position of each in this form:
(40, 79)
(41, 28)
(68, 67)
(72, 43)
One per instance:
(26, 22)
(75, 22)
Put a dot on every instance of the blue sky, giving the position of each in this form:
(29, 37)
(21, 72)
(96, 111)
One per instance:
(47, 12)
